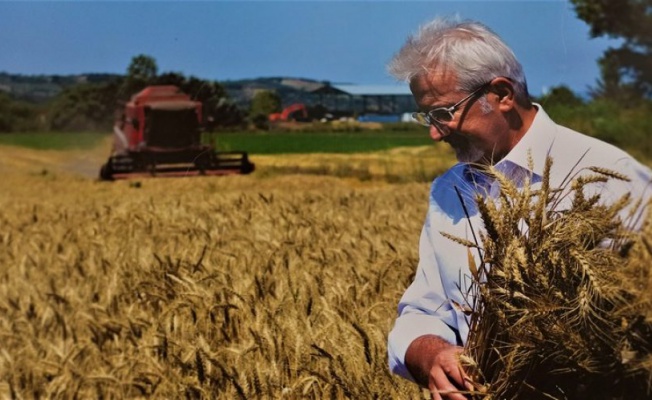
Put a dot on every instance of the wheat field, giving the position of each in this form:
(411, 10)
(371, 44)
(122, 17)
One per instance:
(262, 286)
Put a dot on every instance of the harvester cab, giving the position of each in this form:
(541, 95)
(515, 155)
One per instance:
(159, 133)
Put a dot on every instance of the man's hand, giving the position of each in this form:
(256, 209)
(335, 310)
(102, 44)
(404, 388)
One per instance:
(435, 364)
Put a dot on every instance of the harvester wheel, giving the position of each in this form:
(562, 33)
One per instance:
(247, 168)
(106, 172)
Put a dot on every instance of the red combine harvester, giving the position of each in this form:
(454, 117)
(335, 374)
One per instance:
(159, 134)
(297, 112)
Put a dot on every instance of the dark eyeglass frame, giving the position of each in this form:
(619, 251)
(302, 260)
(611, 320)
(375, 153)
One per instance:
(448, 113)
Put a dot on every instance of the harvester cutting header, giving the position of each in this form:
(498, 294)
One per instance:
(159, 133)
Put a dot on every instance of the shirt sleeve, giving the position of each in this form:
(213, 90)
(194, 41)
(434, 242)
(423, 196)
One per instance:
(423, 308)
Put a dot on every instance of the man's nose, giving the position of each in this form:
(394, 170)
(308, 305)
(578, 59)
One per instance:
(438, 131)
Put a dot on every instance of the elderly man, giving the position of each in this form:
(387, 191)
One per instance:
(472, 94)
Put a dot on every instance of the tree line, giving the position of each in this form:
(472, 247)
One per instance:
(619, 102)
(92, 106)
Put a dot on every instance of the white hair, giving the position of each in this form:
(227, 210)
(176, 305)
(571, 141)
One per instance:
(469, 49)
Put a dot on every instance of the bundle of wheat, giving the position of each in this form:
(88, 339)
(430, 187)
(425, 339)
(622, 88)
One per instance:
(562, 308)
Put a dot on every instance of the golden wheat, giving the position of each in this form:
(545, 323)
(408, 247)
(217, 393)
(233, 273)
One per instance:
(236, 287)
(564, 304)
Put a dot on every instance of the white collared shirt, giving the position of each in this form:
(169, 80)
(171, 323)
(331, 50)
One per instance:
(433, 303)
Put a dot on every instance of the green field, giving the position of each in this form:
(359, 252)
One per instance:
(319, 142)
(52, 141)
(252, 142)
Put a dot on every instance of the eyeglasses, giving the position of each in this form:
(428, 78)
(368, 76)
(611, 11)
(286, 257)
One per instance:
(442, 115)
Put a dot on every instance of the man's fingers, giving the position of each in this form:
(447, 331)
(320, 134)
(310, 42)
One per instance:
(452, 394)
(463, 379)
(434, 395)
(468, 383)
(444, 388)
(457, 381)
(447, 394)
(434, 392)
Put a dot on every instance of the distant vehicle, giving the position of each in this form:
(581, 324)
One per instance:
(159, 134)
(293, 112)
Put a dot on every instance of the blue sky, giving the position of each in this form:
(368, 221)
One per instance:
(338, 41)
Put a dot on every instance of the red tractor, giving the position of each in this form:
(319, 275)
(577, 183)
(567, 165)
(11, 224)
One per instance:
(159, 134)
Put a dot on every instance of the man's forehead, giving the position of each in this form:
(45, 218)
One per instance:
(433, 84)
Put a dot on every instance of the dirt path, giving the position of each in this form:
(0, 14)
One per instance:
(82, 163)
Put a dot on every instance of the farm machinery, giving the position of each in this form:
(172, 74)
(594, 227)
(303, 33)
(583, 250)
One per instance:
(159, 134)
(293, 112)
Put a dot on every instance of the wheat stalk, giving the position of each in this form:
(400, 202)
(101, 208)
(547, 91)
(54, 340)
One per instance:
(560, 314)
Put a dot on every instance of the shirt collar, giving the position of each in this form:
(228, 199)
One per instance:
(537, 142)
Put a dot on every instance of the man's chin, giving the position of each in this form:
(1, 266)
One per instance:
(463, 152)
(468, 157)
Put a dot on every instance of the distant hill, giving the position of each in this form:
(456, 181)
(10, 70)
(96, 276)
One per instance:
(41, 88)
(291, 90)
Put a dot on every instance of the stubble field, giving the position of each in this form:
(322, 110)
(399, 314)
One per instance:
(274, 285)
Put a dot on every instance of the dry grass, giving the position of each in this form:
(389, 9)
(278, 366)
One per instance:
(399, 165)
(285, 286)
(234, 287)
(564, 309)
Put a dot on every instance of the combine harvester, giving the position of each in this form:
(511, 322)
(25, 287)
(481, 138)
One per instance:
(159, 135)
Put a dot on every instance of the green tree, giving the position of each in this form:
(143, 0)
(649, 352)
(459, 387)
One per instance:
(561, 95)
(141, 72)
(171, 78)
(264, 103)
(226, 114)
(84, 107)
(209, 93)
(218, 111)
(18, 116)
(627, 70)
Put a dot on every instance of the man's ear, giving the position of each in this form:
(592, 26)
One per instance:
(504, 91)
